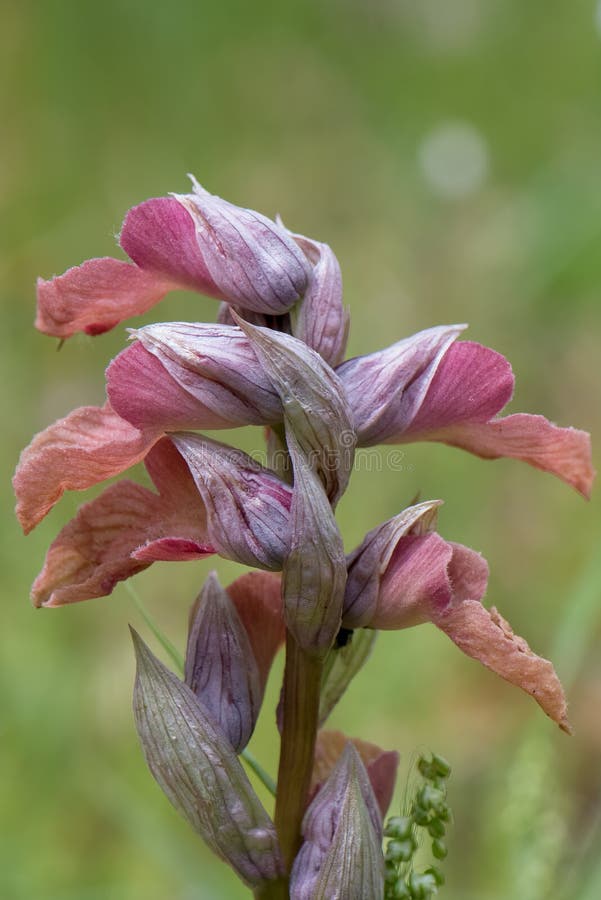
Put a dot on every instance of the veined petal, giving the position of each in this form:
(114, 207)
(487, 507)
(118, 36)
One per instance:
(252, 260)
(123, 530)
(179, 375)
(485, 636)
(141, 391)
(431, 580)
(321, 320)
(96, 296)
(564, 452)
(89, 445)
(258, 598)
(221, 668)
(368, 564)
(160, 236)
(470, 386)
(386, 389)
(425, 576)
(248, 507)
(194, 241)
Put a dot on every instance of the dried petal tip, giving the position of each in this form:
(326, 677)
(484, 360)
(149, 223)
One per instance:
(193, 242)
(341, 858)
(123, 530)
(89, 445)
(193, 763)
(487, 637)
(423, 578)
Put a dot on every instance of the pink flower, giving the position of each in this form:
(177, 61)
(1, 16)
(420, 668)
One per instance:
(404, 574)
(187, 241)
(427, 388)
(211, 499)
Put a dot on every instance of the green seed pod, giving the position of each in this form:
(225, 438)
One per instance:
(398, 827)
(401, 891)
(431, 798)
(441, 766)
(400, 851)
(436, 874)
(436, 828)
(420, 815)
(426, 768)
(422, 886)
(439, 848)
(390, 872)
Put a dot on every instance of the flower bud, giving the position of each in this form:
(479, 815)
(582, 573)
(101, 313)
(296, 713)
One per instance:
(431, 389)
(314, 403)
(341, 858)
(368, 564)
(315, 566)
(193, 242)
(381, 765)
(195, 766)
(221, 668)
(247, 506)
(399, 578)
(253, 261)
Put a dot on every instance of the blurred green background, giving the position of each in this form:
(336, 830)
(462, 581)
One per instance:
(449, 151)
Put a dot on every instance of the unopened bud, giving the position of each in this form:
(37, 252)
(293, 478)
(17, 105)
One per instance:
(220, 665)
(195, 766)
(341, 858)
(253, 261)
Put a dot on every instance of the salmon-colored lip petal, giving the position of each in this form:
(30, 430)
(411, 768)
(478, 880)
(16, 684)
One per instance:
(96, 296)
(564, 452)
(486, 636)
(89, 445)
(471, 386)
(123, 530)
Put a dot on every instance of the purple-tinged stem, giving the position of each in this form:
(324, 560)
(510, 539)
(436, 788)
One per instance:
(302, 681)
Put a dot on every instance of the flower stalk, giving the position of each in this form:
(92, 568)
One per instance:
(302, 682)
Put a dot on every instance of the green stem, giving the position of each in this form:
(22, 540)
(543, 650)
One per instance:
(302, 682)
(259, 771)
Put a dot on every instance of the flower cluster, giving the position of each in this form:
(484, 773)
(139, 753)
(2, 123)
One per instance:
(274, 357)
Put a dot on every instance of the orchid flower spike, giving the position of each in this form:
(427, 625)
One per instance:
(274, 359)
